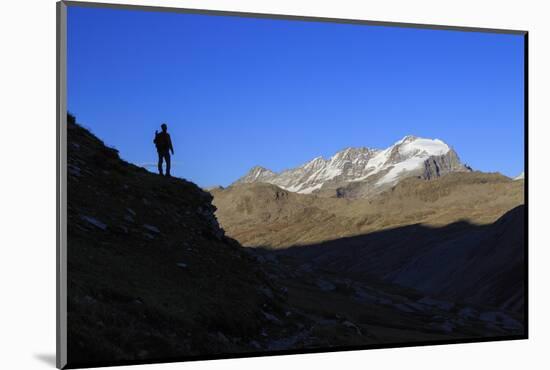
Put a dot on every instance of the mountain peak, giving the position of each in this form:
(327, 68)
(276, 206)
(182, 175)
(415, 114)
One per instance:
(411, 145)
(352, 153)
(259, 169)
(315, 163)
(407, 139)
(257, 174)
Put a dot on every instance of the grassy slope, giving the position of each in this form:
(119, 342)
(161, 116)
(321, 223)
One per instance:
(265, 215)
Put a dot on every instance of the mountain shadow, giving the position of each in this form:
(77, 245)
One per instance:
(479, 264)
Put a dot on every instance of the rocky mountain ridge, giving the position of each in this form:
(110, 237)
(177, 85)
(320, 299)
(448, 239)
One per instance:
(371, 170)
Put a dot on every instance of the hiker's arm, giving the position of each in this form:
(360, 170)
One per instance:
(171, 147)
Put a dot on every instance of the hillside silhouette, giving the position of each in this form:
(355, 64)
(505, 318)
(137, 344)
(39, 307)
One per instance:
(151, 274)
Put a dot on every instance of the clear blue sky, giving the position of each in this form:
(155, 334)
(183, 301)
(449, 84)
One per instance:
(238, 92)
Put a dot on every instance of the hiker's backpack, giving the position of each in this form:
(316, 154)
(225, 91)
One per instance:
(162, 141)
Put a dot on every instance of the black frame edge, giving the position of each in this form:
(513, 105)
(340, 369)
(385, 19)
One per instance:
(526, 178)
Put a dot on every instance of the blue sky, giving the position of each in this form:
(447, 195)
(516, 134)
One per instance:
(238, 92)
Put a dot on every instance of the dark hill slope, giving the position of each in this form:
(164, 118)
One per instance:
(151, 274)
(479, 264)
(484, 267)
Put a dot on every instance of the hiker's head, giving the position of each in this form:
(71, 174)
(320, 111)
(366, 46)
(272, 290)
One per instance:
(164, 127)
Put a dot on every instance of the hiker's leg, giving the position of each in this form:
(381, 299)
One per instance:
(167, 159)
(160, 164)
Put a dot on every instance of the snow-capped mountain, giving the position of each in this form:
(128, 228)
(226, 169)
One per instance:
(371, 169)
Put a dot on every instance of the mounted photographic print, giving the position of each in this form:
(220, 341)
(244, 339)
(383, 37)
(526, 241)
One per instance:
(236, 185)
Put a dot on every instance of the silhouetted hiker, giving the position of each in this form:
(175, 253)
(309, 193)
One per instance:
(164, 147)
